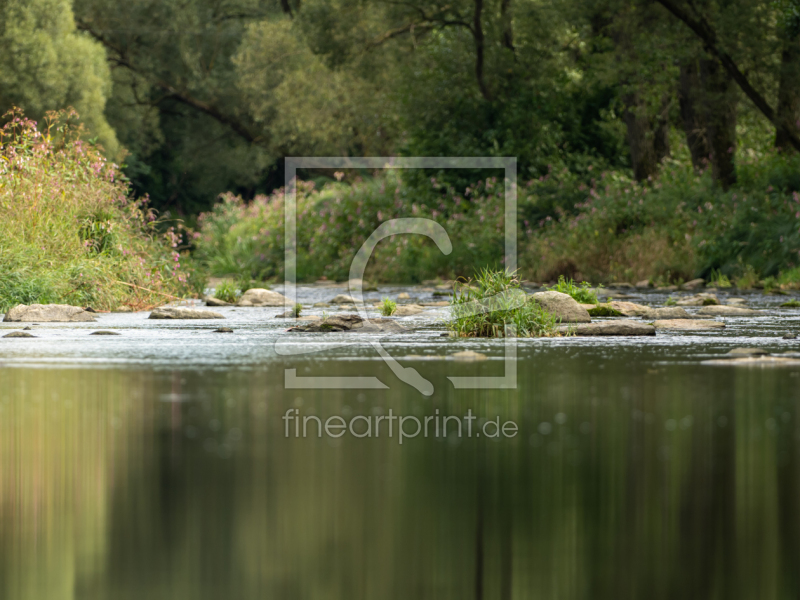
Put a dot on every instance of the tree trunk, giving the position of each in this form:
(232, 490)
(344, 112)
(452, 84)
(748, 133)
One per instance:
(788, 111)
(647, 137)
(720, 119)
(690, 97)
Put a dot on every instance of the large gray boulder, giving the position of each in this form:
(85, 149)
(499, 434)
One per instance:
(183, 312)
(262, 297)
(618, 327)
(562, 306)
(47, 313)
(725, 310)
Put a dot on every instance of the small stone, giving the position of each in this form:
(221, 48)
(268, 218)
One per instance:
(223, 330)
(468, 355)
(403, 296)
(26, 329)
(737, 352)
(790, 336)
(18, 334)
(104, 332)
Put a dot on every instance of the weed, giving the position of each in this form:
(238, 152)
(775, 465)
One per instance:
(748, 279)
(670, 301)
(582, 293)
(388, 307)
(298, 308)
(793, 303)
(718, 280)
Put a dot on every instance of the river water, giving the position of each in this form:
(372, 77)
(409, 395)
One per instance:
(170, 462)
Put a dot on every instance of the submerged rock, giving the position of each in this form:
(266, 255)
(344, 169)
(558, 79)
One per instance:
(468, 355)
(728, 311)
(182, 312)
(350, 323)
(104, 332)
(621, 327)
(403, 296)
(562, 306)
(688, 324)
(754, 361)
(262, 297)
(223, 330)
(748, 352)
(790, 336)
(47, 313)
(667, 312)
(18, 334)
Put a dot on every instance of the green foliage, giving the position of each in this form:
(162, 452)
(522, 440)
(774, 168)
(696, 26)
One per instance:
(46, 64)
(388, 307)
(671, 302)
(718, 280)
(494, 305)
(297, 309)
(748, 279)
(582, 293)
(227, 292)
(793, 303)
(604, 310)
(71, 232)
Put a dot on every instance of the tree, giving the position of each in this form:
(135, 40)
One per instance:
(46, 64)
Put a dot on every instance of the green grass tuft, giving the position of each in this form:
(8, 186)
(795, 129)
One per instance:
(226, 292)
(388, 307)
(582, 293)
(793, 303)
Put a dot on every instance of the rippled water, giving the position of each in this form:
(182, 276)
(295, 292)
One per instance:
(159, 464)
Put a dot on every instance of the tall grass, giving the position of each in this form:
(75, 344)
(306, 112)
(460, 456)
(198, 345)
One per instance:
(494, 305)
(70, 231)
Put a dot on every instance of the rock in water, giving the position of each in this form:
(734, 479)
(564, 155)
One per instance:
(182, 312)
(790, 336)
(738, 352)
(728, 311)
(47, 313)
(468, 355)
(693, 284)
(621, 327)
(688, 324)
(262, 297)
(667, 312)
(403, 296)
(343, 299)
(211, 301)
(350, 323)
(698, 300)
(223, 330)
(18, 334)
(630, 309)
(562, 306)
(408, 310)
(104, 332)
(643, 284)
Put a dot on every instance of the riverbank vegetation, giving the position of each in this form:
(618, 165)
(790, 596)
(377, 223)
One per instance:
(71, 232)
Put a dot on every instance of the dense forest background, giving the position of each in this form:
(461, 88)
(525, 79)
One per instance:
(201, 97)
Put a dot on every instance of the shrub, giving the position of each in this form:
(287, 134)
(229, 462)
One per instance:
(494, 305)
(71, 232)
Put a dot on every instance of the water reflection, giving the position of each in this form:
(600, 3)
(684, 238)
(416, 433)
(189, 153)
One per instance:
(633, 480)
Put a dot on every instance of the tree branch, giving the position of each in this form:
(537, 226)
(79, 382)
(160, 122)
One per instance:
(708, 36)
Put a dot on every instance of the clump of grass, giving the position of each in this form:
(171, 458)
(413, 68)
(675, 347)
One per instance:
(298, 308)
(494, 305)
(71, 232)
(604, 310)
(582, 293)
(670, 301)
(388, 307)
(718, 280)
(748, 280)
(226, 292)
(793, 303)
(709, 302)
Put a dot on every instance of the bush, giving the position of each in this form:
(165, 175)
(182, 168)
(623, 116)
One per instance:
(71, 233)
